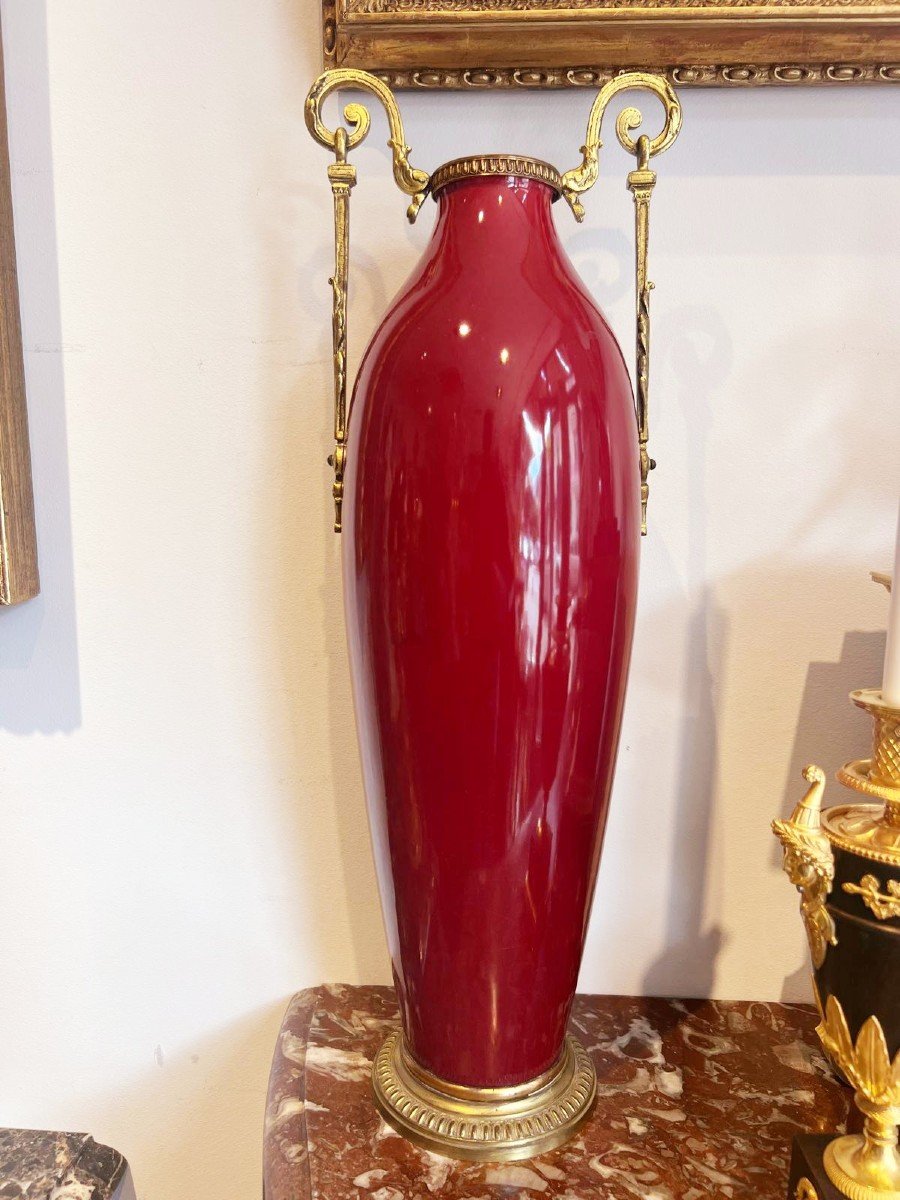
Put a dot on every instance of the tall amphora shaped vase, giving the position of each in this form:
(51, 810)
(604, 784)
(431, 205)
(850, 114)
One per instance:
(491, 481)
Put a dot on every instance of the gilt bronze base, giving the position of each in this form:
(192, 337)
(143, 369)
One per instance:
(808, 1179)
(484, 1124)
(860, 1174)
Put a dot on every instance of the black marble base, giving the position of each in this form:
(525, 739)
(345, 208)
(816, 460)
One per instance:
(806, 1163)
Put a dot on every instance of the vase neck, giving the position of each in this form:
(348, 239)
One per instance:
(483, 217)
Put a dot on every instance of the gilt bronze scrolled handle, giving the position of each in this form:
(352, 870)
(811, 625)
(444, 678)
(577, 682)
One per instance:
(342, 176)
(641, 182)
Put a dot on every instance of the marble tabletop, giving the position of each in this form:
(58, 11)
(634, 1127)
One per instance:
(696, 1099)
(39, 1164)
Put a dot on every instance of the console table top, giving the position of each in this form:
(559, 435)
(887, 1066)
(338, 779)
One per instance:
(696, 1098)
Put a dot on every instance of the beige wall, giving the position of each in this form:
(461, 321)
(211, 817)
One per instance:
(183, 830)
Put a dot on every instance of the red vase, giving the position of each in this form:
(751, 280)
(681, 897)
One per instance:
(491, 536)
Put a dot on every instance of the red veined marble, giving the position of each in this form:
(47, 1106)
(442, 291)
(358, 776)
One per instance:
(491, 539)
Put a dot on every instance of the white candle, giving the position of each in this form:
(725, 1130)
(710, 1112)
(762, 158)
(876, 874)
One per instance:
(890, 687)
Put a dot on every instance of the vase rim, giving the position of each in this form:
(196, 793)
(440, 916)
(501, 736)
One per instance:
(480, 165)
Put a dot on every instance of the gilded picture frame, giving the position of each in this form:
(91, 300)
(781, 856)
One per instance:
(484, 44)
(19, 577)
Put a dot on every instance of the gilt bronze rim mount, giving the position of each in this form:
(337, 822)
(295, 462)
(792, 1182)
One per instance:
(496, 164)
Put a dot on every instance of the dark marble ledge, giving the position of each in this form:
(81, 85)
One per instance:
(697, 1098)
(38, 1164)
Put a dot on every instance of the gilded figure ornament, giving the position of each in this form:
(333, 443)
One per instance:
(859, 1028)
(858, 978)
(809, 864)
(883, 904)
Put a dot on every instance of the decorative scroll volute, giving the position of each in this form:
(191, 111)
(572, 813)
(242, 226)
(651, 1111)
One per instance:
(641, 182)
(809, 864)
(342, 176)
(583, 177)
(408, 179)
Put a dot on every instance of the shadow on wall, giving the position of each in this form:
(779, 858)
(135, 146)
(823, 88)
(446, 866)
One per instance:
(725, 789)
(191, 1116)
(688, 963)
(742, 631)
(336, 885)
(830, 728)
(39, 685)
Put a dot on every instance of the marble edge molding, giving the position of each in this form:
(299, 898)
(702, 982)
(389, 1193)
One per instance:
(296, 1023)
(98, 1161)
(44, 1162)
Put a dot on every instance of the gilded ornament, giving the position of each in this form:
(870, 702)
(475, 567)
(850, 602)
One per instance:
(861, 973)
(694, 75)
(866, 1166)
(408, 179)
(641, 182)
(805, 1190)
(809, 864)
(495, 164)
(883, 905)
(403, 7)
(342, 177)
(871, 830)
(584, 176)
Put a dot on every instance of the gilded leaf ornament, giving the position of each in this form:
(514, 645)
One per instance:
(883, 904)
(867, 1064)
(864, 1166)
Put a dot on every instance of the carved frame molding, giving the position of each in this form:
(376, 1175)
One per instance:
(516, 44)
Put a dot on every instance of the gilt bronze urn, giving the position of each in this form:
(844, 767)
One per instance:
(845, 862)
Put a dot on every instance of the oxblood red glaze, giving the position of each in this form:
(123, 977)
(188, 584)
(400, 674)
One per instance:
(492, 524)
